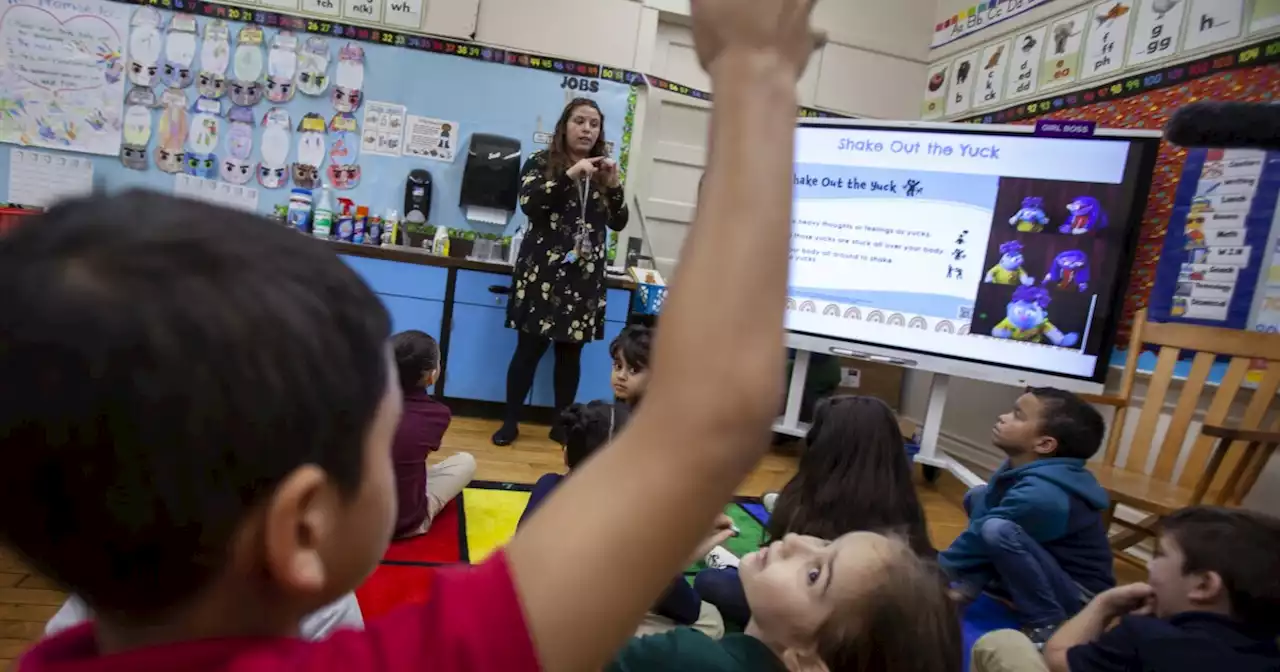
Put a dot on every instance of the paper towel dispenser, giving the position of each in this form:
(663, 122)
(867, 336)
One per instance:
(491, 178)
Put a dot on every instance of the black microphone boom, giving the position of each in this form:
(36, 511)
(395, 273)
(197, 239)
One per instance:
(1225, 125)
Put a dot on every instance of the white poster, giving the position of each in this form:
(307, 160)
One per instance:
(935, 91)
(995, 60)
(1212, 21)
(1155, 32)
(40, 179)
(62, 74)
(1062, 53)
(434, 139)
(383, 129)
(980, 16)
(1024, 70)
(1108, 38)
(960, 95)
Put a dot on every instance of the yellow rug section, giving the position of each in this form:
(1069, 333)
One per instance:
(491, 517)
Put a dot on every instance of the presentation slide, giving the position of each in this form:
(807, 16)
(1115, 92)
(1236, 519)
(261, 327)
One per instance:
(995, 248)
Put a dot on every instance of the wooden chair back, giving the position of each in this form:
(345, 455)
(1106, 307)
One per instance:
(1239, 468)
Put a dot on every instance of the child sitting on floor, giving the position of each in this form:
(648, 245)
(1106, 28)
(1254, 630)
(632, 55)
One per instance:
(630, 353)
(863, 601)
(422, 491)
(586, 428)
(1035, 529)
(1211, 602)
(854, 474)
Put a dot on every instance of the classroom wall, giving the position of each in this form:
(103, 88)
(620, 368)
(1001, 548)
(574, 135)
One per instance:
(947, 8)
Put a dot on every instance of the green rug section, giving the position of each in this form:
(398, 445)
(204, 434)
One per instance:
(750, 538)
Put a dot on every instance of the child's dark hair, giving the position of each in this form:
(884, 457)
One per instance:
(1074, 422)
(416, 354)
(164, 364)
(632, 345)
(1241, 547)
(902, 622)
(588, 426)
(854, 474)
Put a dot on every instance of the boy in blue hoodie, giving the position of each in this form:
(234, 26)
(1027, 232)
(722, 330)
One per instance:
(1035, 530)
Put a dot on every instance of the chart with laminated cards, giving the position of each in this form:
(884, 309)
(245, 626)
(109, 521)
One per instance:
(976, 245)
(394, 14)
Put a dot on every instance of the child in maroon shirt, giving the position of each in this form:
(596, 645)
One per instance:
(422, 492)
(197, 410)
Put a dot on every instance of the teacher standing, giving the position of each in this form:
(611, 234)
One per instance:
(571, 193)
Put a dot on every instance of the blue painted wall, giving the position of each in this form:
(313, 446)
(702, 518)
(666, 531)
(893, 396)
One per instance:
(481, 97)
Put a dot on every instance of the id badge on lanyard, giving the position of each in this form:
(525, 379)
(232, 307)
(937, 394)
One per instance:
(582, 246)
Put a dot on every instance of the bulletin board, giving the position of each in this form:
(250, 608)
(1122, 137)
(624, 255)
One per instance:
(1250, 73)
(472, 88)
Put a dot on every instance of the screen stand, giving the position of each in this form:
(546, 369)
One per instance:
(789, 423)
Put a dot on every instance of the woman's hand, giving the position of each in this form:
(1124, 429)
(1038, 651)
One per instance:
(584, 168)
(610, 174)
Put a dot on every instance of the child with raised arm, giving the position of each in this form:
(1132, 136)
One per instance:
(207, 464)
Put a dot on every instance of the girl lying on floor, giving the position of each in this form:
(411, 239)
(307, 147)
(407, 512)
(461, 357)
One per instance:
(587, 427)
(853, 475)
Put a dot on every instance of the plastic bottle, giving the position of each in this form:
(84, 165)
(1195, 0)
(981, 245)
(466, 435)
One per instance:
(322, 220)
(440, 245)
(391, 227)
(357, 231)
(514, 252)
(374, 231)
(299, 213)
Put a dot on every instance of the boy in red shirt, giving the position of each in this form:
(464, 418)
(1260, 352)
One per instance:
(197, 410)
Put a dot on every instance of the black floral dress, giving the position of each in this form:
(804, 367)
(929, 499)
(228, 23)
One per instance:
(553, 294)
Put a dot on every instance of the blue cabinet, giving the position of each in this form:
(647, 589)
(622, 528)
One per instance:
(597, 365)
(413, 294)
(480, 345)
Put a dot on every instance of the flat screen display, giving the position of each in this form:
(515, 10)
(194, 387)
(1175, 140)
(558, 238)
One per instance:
(1000, 247)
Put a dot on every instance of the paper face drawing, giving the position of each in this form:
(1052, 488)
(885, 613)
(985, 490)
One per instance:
(137, 127)
(145, 42)
(273, 171)
(172, 131)
(313, 67)
(179, 52)
(348, 81)
(215, 56)
(344, 147)
(246, 67)
(306, 170)
(202, 139)
(282, 65)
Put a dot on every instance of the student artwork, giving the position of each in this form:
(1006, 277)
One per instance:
(1086, 215)
(246, 67)
(282, 65)
(173, 131)
(215, 56)
(348, 81)
(235, 166)
(1009, 271)
(202, 139)
(273, 170)
(144, 46)
(1030, 218)
(313, 67)
(306, 170)
(344, 147)
(137, 127)
(1027, 319)
(179, 52)
(1069, 270)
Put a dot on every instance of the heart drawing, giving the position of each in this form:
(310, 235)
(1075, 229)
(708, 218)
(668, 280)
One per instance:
(47, 52)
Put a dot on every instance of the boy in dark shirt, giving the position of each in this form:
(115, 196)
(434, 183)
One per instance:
(1036, 529)
(1212, 602)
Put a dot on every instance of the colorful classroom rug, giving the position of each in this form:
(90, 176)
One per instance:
(480, 520)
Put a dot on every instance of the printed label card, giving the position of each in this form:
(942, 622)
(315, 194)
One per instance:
(1266, 16)
(1229, 256)
(1024, 69)
(935, 92)
(960, 96)
(1212, 21)
(1061, 64)
(1156, 30)
(403, 13)
(1208, 273)
(995, 61)
(1108, 38)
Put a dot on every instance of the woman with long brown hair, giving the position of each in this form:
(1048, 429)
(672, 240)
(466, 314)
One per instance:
(571, 193)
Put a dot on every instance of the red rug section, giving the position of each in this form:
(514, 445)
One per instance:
(440, 544)
(392, 586)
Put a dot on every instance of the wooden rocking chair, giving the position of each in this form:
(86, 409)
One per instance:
(1224, 462)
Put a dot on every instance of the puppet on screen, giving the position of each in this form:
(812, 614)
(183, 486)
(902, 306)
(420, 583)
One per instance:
(1086, 215)
(1009, 271)
(1069, 270)
(1030, 218)
(1027, 320)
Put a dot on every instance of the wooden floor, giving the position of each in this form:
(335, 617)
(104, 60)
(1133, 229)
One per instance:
(27, 601)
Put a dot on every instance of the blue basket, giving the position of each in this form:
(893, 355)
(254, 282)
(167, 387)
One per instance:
(648, 299)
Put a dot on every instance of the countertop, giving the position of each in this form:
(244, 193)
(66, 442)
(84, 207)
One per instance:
(410, 255)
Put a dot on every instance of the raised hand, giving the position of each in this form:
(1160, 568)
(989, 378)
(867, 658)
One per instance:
(778, 28)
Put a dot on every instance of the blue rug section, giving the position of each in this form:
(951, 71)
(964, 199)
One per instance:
(984, 615)
(757, 511)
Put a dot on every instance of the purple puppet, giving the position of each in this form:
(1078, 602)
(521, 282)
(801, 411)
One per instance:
(1069, 270)
(1030, 218)
(1027, 320)
(1086, 215)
